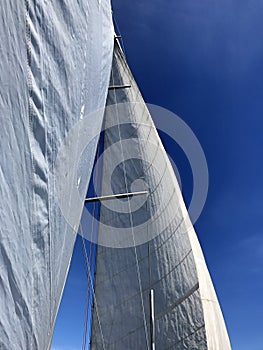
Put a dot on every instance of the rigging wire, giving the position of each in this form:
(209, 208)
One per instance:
(88, 282)
(137, 98)
(87, 305)
(88, 259)
(131, 219)
(92, 285)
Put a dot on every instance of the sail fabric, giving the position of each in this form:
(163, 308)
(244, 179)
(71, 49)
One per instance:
(54, 68)
(147, 242)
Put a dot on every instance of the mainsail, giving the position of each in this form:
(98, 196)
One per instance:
(55, 66)
(148, 253)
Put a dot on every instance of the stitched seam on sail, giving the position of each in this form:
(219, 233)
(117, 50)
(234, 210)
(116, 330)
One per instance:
(140, 327)
(144, 290)
(178, 302)
(145, 257)
(160, 279)
(188, 336)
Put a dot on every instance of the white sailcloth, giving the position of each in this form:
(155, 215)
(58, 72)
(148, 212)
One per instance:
(147, 243)
(55, 63)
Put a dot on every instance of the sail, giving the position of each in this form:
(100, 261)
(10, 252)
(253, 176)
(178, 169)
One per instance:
(147, 244)
(54, 68)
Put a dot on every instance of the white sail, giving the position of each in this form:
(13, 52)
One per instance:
(147, 244)
(55, 65)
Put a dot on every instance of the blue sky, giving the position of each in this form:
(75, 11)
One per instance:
(203, 60)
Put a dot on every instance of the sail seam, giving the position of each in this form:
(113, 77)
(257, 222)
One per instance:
(158, 317)
(166, 240)
(144, 290)
(178, 302)
(145, 258)
(153, 251)
(188, 336)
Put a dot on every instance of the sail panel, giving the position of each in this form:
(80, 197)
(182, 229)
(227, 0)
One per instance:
(55, 66)
(147, 243)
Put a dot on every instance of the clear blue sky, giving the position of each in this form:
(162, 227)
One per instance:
(203, 60)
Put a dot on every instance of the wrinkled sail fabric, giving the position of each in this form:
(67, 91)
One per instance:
(147, 243)
(55, 66)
